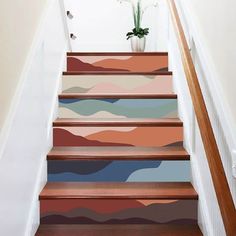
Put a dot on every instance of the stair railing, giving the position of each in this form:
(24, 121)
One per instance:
(217, 171)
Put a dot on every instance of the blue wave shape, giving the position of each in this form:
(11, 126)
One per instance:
(78, 167)
(168, 171)
(115, 171)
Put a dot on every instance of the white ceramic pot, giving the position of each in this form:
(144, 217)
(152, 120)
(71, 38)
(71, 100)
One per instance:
(138, 44)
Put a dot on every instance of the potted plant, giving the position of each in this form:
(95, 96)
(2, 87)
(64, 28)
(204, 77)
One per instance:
(138, 34)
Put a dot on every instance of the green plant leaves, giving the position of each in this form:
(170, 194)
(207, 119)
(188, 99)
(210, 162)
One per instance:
(138, 32)
(138, 9)
(137, 26)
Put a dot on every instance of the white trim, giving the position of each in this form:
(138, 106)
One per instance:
(204, 214)
(30, 230)
(65, 24)
(234, 162)
(221, 106)
(4, 134)
(54, 111)
(33, 208)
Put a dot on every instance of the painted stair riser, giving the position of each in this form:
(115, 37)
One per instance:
(105, 211)
(118, 171)
(118, 136)
(130, 84)
(118, 108)
(136, 63)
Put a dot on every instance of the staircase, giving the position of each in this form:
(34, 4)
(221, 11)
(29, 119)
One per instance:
(118, 166)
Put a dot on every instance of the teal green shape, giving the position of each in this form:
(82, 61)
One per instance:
(157, 109)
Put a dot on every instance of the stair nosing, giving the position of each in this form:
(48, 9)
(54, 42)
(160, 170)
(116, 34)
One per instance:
(117, 95)
(115, 122)
(70, 153)
(104, 186)
(116, 73)
(140, 197)
(116, 53)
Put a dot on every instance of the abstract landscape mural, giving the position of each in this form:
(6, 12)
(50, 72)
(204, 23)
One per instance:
(105, 211)
(125, 63)
(118, 108)
(118, 171)
(131, 84)
(118, 136)
(118, 155)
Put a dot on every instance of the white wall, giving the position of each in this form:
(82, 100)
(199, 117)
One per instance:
(215, 22)
(23, 160)
(102, 25)
(18, 23)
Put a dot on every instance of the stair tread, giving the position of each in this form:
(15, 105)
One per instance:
(116, 53)
(87, 72)
(118, 190)
(118, 153)
(167, 122)
(117, 95)
(117, 230)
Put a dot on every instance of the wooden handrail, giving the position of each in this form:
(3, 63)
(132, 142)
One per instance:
(219, 179)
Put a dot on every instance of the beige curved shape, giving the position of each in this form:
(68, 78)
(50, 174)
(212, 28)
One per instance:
(86, 131)
(67, 113)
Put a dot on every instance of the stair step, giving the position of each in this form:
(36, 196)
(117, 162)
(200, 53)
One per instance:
(79, 105)
(116, 96)
(124, 122)
(128, 84)
(118, 203)
(118, 153)
(118, 164)
(118, 132)
(118, 190)
(117, 230)
(131, 62)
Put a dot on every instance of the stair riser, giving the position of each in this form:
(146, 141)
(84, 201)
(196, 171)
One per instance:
(118, 108)
(131, 84)
(118, 171)
(118, 136)
(136, 63)
(87, 211)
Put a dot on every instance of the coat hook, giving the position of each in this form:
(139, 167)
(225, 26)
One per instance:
(69, 14)
(72, 36)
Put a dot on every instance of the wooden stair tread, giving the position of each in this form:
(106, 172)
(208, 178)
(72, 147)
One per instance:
(116, 73)
(116, 95)
(118, 153)
(117, 230)
(118, 190)
(117, 54)
(130, 122)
